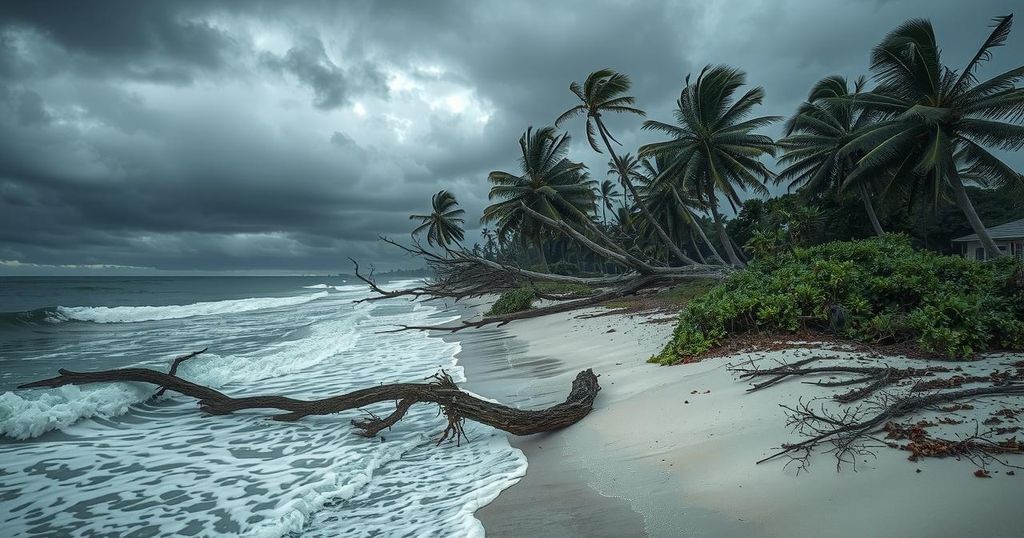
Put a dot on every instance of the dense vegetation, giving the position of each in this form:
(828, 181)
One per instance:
(909, 150)
(877, 290)
(910, 156)
(822, 219)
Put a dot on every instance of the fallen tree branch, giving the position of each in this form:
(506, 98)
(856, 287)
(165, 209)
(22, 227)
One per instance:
(174, 367)
(847, 429)
(456, 404)
(567, 306)
(875, 377)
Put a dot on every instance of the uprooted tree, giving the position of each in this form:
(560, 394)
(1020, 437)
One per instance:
(456, 405)
(460, 274)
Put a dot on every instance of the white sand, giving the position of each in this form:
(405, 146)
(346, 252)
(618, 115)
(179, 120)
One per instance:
(688, 468)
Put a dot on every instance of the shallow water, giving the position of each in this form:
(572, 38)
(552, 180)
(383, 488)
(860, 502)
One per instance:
(107, 460)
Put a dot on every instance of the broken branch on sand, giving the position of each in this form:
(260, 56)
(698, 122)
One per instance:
(846, 430)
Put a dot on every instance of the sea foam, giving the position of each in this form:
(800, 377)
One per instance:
(130, 314)
(163, 468)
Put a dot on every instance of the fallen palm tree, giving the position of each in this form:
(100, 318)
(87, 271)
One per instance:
(456, 404)
(460, 274)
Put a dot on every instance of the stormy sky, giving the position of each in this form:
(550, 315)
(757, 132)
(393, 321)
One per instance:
(270, 137)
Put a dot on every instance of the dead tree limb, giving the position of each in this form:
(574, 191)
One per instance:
(456, 404)
(174, 367)
(874, 377)
(846, 430)
(556, 308)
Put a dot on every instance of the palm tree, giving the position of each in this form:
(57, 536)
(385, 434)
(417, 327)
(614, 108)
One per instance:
(940, 120)
(666, 193)
(815, 137)
(633, 169)
(444, 223)
(604, 91)
(490, 247)
(605, 193)
(549, 184)
(713, 147)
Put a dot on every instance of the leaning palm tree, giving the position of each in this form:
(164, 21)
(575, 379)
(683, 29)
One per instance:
(444, 223)
(549, 184)
(667, 194)
(713, 147)
(815, 137)
(605, 193)
(940, 121)
(605, 91)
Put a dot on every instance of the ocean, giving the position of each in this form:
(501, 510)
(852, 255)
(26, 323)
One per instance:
(108, 460)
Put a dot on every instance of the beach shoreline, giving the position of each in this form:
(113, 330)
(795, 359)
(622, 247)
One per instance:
(671, 451)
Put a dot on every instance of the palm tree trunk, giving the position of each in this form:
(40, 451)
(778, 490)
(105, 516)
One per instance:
(723, 236)
(636, 197)
(696, 224)
(739, 251)
(864, 195)
(962, 200)
(696, 247)
(540, 254)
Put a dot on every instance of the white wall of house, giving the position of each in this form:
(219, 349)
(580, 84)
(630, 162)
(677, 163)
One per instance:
(974, 250)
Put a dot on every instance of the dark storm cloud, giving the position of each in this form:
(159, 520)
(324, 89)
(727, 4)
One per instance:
(332, 86)
(263, 135)
(161, 41)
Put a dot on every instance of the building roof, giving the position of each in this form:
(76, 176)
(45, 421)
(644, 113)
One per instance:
(1010, 230)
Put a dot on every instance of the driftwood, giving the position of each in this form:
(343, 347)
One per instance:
(456, 404)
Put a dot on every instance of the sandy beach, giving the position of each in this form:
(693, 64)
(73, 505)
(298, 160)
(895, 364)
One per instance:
(671, 451)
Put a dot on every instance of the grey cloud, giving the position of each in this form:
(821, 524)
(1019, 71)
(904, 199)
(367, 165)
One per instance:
(220, 135)
(31, 110)
(332, 85)
(158, 41)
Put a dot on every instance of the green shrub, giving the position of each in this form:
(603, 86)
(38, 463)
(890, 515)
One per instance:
(515, 300)
(519, 299)
(877, 290)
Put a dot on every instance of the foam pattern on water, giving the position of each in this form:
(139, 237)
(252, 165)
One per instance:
(25, 415)
(162, 468)
(134, 314)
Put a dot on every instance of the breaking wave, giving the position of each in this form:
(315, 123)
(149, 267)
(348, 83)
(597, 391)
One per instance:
(131, 314)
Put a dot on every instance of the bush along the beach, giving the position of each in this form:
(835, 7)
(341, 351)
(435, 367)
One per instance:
(511, 301)
(877, 291)
(520, 299)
